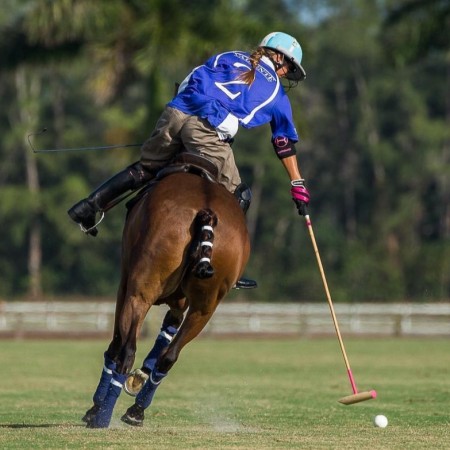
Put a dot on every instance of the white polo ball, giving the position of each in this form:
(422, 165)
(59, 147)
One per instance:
(380, 421)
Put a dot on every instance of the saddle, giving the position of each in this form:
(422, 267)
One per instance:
(184, 162)
(191, 163)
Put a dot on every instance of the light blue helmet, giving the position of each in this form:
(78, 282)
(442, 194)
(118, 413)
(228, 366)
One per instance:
(289, 46)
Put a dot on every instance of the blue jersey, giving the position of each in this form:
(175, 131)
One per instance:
(214, 92)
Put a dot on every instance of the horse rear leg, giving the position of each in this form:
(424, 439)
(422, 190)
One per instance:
(169, 329)
(195, 321)
(129, 324)
(102, 389)
(109, 363)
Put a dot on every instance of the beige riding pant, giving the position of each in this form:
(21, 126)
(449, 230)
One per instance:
(176, 131)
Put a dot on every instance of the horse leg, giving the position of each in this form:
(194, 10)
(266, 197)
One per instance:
(102, 388)
(109, 361)
(195, 321)
(139, 378)
(130, 322)
(169, 329)
(106, 378)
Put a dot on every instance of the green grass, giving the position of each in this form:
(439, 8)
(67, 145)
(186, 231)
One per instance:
(241, 394)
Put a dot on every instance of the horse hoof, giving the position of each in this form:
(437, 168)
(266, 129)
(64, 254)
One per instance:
(92, 424)
(98, 421)
(135, 382)
(90, 414)
(134, 416)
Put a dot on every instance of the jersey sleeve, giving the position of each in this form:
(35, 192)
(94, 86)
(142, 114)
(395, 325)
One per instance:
(282, 123)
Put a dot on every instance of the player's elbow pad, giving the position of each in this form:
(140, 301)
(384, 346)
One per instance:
(284, 147)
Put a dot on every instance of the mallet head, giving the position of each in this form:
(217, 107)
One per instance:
(359, 397)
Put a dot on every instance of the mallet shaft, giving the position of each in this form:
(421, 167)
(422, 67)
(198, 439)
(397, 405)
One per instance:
(330, 303)
(356, 397)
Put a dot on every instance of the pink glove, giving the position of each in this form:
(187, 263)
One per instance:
(300, 195)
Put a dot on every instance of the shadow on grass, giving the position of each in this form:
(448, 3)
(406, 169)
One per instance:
(42, 425)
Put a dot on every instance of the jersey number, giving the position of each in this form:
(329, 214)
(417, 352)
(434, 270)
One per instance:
(223, 86)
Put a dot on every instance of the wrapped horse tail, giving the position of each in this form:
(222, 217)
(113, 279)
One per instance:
(204, 222)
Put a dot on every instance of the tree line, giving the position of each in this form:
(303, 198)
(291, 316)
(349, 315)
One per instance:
(372, 115)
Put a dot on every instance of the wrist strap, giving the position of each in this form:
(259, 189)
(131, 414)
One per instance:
(300, 182)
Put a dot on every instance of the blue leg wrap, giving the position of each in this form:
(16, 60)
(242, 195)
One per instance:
(103, 417)
(145, 397)
(162, 341)
(105, 379)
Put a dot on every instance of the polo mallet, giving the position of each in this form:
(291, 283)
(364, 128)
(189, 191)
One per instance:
(356, 397)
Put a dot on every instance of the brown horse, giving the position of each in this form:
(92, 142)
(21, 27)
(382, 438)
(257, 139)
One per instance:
(185, 244)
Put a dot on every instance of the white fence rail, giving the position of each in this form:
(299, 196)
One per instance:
(69, 319)
(315, 319)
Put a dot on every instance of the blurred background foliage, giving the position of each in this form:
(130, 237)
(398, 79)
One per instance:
(373, 117)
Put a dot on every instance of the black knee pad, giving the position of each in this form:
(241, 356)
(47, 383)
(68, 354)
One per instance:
(244, 196)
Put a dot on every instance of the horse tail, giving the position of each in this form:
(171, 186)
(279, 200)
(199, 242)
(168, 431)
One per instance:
(204, 224)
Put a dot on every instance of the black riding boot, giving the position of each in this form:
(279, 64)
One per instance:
(244, 196)
(84, 212)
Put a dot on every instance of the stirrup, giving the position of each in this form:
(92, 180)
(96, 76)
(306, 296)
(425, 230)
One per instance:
(245, 283)
(87, 230)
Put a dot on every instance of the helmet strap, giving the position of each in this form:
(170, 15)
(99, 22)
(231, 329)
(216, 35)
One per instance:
(270, 53)
(279, 65)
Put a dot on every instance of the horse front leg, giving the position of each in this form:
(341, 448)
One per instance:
(129, 325)
(195, 321)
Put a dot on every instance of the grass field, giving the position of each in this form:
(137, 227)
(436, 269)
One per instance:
(240, 394)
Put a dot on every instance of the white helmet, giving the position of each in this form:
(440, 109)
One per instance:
(290, 48)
